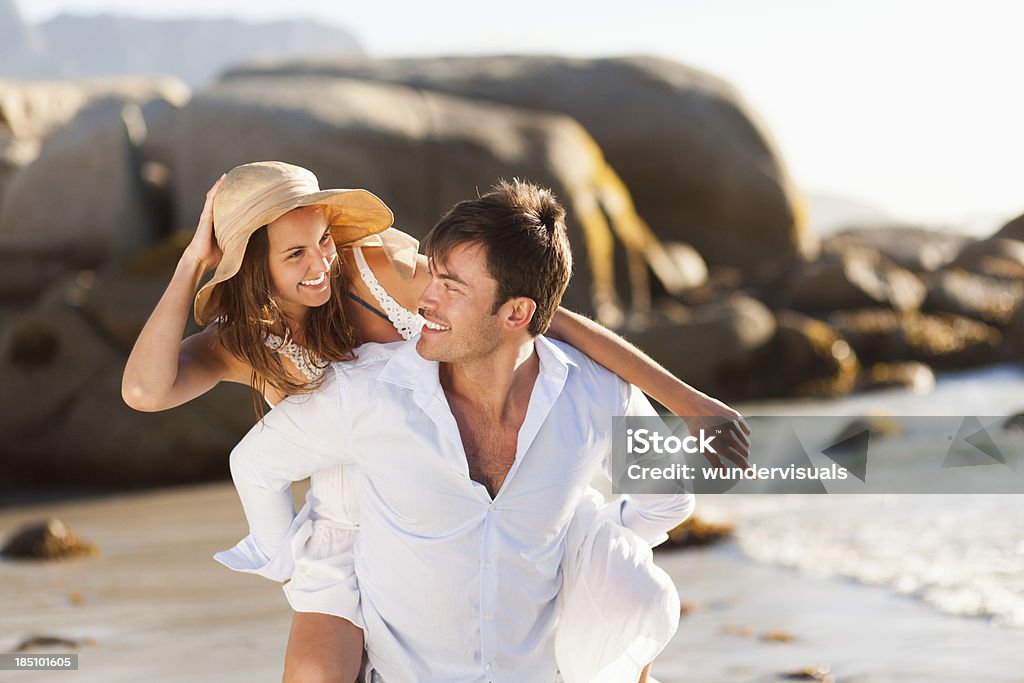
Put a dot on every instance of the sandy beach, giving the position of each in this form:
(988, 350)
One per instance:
(154, 606)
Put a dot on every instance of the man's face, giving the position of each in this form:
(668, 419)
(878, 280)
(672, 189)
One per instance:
(458, 305)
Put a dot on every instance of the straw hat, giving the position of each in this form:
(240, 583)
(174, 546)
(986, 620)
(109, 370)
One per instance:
(253, 195)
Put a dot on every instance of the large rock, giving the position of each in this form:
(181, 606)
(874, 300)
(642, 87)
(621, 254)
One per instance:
(851, 279)
(1013, 230)
(706, 345)
(919, 250)
(422, 152)
(996, 257)
(992, 300)
(1015, 336)
(701, 166)
(31, 110)
(944, 341)
(82, 199)
(804, 358)
(61, 413)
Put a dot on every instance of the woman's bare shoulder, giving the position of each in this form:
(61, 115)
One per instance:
(405, 291)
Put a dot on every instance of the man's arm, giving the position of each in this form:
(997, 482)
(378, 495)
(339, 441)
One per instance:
(302, 435)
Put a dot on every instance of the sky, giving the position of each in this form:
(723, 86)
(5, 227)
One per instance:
(907, 106)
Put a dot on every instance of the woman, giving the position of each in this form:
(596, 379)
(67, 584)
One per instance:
(282, 304)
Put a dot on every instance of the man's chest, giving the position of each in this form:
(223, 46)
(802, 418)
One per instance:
(430, 472)
(490, 452)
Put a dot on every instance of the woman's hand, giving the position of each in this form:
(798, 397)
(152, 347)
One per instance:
(700, 411)
(203, 247)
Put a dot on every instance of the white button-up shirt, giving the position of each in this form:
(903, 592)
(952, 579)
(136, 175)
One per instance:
(455, 586)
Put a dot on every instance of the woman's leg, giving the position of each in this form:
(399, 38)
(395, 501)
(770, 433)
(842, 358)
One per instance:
(323, 649)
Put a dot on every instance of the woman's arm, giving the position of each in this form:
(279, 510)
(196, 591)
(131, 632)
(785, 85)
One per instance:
(163, 371)
(634, 366)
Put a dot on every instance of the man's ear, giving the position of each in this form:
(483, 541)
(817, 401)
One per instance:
(517, 312)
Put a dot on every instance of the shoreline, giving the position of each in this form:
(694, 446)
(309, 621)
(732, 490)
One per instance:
(154, 606)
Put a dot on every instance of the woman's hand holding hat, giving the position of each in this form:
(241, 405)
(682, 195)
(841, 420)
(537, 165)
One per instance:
(203, 246)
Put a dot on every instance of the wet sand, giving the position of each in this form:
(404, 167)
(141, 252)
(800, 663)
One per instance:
(155, 607)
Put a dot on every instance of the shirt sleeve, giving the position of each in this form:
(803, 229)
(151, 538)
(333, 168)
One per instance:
(301, 435)
(650, 515)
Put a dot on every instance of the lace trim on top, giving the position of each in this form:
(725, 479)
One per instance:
(308, 363)
(405, 321)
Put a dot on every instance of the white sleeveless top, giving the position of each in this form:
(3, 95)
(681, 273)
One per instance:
(325, 484)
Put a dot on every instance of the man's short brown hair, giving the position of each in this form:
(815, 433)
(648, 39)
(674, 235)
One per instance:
(522, 229)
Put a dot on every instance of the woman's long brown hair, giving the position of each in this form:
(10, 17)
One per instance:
(247, 311)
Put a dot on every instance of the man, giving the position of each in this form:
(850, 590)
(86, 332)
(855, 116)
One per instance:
(475, 445)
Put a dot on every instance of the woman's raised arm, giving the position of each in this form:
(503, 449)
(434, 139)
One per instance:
(163, 371)
(634, 366)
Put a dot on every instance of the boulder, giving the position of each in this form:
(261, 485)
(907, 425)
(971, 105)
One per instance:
(910, 375)
(82, 199)
(47, 360)
(703, 347)
(64, 422)
(32, 110)
(422, 152)
(993, 257)
(851, 279)
(990, 299)
(916, 249)
(49, 539)
(804, 358)
(701, 165)
(1013, 230)
(119, 299)
(943, 341)
(1015, 336)
(61, 412)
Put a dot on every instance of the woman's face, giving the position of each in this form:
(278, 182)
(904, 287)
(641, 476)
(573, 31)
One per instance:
(300, 259)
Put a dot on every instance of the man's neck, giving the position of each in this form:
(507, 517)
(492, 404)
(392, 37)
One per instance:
(497, 384)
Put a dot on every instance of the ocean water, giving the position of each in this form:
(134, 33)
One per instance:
(960, 553)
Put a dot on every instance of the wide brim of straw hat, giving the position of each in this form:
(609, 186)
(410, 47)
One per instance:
(351, 214)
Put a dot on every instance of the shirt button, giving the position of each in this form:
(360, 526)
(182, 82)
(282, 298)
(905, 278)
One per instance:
(488, 565)
(488, 617)
(490, 507)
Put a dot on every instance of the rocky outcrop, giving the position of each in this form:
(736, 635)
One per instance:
(84, 186)
(912, 375)
(90, 169)
(1013, 230)
(705, 345)
(422, 152)
(916, 249)
(995, 257)
(943, 341)
(31, 110)
(61, 412)
(805, 357)
(851, 279)
(992, 300)
(701, 166)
